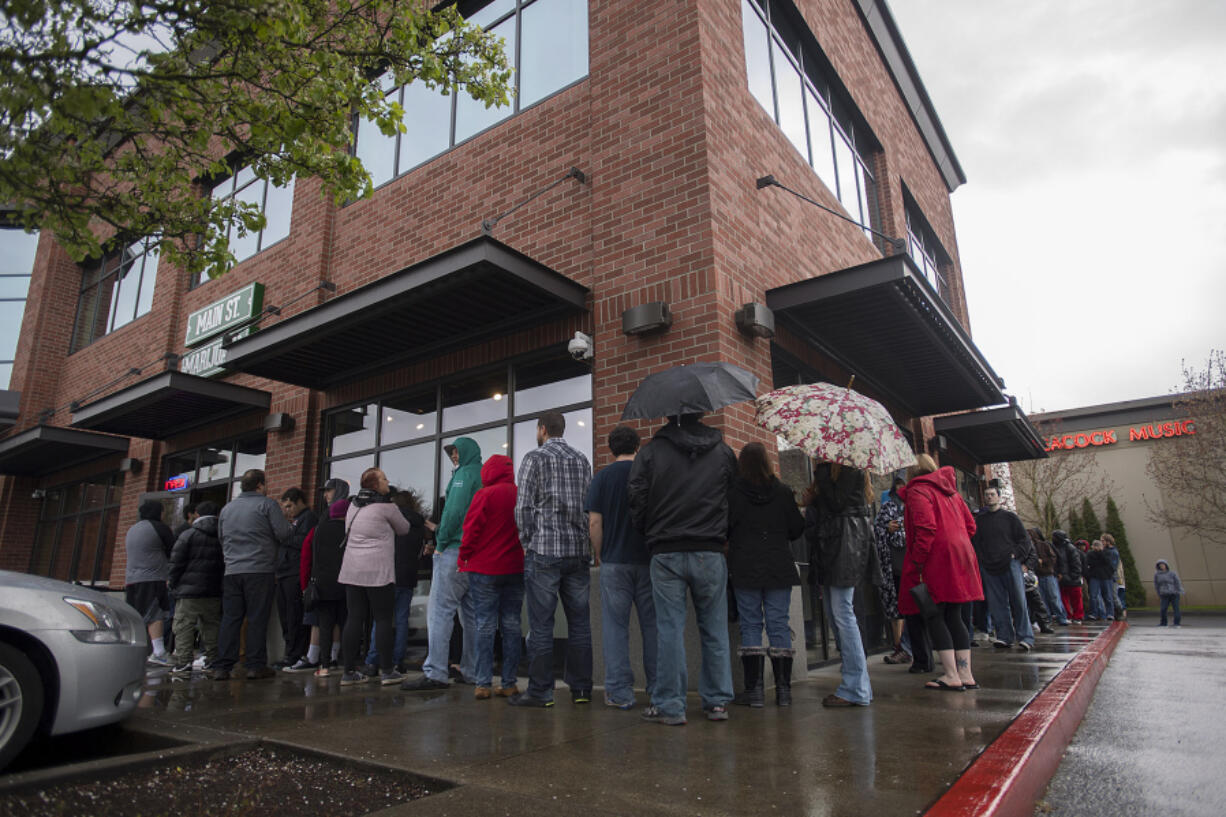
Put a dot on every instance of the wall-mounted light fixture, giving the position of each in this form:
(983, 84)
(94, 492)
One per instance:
(647, 319)
(756, 320)
(279, 421)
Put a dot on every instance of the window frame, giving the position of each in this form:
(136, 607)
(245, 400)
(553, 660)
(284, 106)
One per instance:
(95, 276)
(111, 506)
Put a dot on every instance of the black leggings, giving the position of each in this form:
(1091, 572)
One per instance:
(365, 603)
(946, 629)
(328, 614)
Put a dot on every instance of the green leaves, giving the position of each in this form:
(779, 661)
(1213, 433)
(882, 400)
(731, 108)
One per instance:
(116, 116)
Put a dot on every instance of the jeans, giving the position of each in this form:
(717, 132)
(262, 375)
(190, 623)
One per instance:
(1007, 604)
(621, 586)
(497, 604)
(757, 607)
(705, 575)
(400, 624)
(245, 596)
(1049, 587)
(1102, 597)
(1169, 600)
(546, 579)
(1122, 597)
(855, 686)
(449, 593)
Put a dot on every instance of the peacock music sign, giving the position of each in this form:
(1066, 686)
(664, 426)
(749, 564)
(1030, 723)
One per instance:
(1094, 439)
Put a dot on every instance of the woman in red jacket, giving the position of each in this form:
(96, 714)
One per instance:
(939, 554)
(491, 555)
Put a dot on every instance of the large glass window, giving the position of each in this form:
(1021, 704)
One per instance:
(115, 291)
(790, 79)
(546, 42)
(77, 528)
(276, 203)
(17, 249)
(924, 248)
(214, 471)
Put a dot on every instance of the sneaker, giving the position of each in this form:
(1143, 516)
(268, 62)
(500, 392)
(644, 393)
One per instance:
(200, 662)
(622, 705)
(717, 713)
(351, 678)
(581, 696)
(182, 669)
(369, 670)
(260, 673)
(1046, 630)
(654, 715)
(322, 672)
(163, 660)
(507, 692)
(1024, 646)
(424, 683)
(898, 657)
(390, 677)
(302, 665)
(482, 693)
(1001, 644)
(527, 700)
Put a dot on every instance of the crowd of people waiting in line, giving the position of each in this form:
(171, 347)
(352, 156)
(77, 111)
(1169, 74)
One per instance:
(684, 515)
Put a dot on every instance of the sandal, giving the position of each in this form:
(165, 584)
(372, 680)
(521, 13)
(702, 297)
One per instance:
(969, 687)
(941, 686)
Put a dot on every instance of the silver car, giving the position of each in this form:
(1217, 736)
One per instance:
(71, 658)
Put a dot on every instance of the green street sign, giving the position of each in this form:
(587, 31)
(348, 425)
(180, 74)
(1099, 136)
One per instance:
(206, 360)
(222, 315)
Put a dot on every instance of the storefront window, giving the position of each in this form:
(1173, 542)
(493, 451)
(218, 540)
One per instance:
(214, 472)
(77, 528)
(17, 249)
(351, 470)
(475, 401)
(352, 429)
(409, 418)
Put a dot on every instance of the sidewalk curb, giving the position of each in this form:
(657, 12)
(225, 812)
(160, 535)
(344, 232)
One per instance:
(1008, 778)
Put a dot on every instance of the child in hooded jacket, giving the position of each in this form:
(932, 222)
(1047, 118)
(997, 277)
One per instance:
(1169, 589)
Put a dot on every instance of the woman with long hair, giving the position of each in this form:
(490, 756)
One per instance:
(762, 521)
(940, 557)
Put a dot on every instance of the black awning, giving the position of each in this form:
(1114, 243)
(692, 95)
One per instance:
(884, 323)
(10, 404)
(1001, 434)
(43, 449)
(167, 404)
(476, 291)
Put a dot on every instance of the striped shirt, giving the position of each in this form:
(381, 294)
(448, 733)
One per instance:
(553, 483)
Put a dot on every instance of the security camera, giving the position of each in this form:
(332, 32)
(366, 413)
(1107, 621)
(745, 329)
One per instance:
(38, 493)
(580, 346)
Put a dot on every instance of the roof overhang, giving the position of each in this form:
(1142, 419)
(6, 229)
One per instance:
(10, 406)
(1001, 434)
(168, 404)
(43, 449)
(479, 290)
(884, 323)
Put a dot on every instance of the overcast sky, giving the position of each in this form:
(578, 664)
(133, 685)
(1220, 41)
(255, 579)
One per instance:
(1092, 227)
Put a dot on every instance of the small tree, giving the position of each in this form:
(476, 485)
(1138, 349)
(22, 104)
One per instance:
(1089, 521)
(1050, 520)
(1134, 592)
(1075, 530)
(1062, 479)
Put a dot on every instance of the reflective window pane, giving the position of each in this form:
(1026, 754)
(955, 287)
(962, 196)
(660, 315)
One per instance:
(427, 118)
(821, 151)
(250, 453)
(409, 418)
(17, 249)
(245, 246)
(490, 441)
(491, 12)
(6, 375)
(543, 386)
(44, 547)
(352, 429)
(476, 401)
(846, 169)
(791, 100)
(411, 467)
(14, 286)
(471, 116)
(278, 210)
(553, 47)
(177, 464)
(148, 280)
(124, 290)
(11, 313)
(110, 537)
(61, 560)
(215, 463)
(578, 435)
(376, 151)
(91, 532)
(757, 57)
(351, 470)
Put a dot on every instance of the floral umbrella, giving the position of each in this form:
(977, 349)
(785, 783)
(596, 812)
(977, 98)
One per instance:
(836, 424)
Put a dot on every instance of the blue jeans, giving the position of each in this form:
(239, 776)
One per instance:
(497, 604)
(400, 623)
(1049, 588)
(1169, 600)
(855, 686)
(449, 593)
(1007, 603)
(1122, 597)
(546, 578)
(621, 586)
(1102, 597)
(705, 575)
(757, 607)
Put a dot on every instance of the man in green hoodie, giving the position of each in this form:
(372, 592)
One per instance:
(449, 588)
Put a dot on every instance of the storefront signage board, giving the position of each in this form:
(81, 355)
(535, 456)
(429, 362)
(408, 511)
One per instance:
(225, 314)
(1150, 431)
(207, 360)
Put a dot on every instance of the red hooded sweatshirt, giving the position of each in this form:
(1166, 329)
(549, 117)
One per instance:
(490, 540)
(939, 553)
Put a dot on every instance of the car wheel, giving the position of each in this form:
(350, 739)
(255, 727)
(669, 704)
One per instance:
(21, 702)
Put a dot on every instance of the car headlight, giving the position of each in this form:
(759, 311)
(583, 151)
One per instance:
(107, 626)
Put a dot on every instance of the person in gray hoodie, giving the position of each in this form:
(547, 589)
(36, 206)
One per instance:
(1169, 589)
(250, 527)
(147, 547)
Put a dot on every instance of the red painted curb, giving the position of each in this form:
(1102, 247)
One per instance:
(1007, 779)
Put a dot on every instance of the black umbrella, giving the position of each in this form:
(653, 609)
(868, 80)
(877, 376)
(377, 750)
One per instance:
(694, 389)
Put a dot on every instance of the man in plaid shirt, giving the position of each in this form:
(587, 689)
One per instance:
(553, 482)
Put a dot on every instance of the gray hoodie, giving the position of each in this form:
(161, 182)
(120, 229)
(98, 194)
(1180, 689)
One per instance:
(147, 546)
(250, 528)
(1166, 582)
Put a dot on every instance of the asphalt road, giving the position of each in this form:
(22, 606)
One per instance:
(1154, 739)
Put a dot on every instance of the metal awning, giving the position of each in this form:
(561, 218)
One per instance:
(10, 405)
(476, 291)
(883, 322)
(43, 449)
(167, 404)
(1001, 434)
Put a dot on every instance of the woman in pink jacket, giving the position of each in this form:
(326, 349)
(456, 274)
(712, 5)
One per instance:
(368, 571)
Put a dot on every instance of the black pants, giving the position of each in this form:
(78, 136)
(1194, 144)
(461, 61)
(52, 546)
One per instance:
(1036, 608)
(289, 607)
(245, 596)
(328, 614)
(921, 650)
(377, 602)
(947, 630)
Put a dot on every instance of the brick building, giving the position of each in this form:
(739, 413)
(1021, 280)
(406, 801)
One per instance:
(388, 326)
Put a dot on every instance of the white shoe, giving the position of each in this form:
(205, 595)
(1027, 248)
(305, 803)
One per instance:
(199, 662)
(163, 660)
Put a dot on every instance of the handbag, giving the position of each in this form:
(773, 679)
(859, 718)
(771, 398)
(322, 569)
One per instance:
(928, 607)
(310, 596)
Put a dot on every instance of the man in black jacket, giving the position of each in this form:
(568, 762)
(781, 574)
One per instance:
(678, 496)
(196, 568)
(1002, 545)
(302, 521)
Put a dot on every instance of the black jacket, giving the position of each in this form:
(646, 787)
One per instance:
(408, 549)
(1100, 566)
(678, 489)
(839, 531)
(1068, 561)
(289, 555)
(1000, 537)
(196, 563)
(326, 556)
(762, 522)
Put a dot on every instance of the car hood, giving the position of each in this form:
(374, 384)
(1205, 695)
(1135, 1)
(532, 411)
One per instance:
(35, 603)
